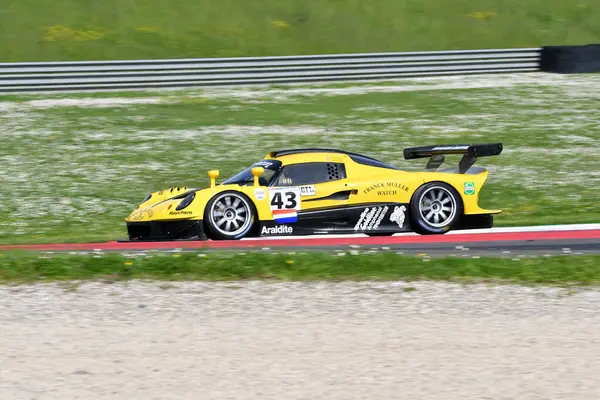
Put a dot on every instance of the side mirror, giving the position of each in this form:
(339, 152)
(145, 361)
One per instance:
(213, 174)
(257, 172)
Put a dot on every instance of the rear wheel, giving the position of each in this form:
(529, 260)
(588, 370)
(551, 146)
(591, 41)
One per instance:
(435, 208)
(229, 216)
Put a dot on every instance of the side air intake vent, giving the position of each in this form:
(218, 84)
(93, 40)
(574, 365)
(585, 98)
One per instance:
(332, 171)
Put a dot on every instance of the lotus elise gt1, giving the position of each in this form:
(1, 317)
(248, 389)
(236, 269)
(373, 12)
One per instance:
(321, 191)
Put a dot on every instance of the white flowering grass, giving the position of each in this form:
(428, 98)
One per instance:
(74, 165)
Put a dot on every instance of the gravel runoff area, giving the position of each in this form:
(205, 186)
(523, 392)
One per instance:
(256, 340)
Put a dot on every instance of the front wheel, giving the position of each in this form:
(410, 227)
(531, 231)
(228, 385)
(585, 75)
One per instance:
(435, 208)
(229, 216)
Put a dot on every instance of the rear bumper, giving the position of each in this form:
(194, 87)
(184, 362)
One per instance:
(166, 230)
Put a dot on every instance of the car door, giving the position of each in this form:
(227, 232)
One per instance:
(317, 191)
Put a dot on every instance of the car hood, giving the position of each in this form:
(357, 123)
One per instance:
(156, 200)
(172, 193)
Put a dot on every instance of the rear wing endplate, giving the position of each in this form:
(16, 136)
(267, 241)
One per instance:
(470, 153)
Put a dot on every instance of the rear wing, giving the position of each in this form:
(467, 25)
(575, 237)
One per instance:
(470, 153)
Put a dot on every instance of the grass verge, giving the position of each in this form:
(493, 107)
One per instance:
(47, 30)
(74, 165)
(24, 267)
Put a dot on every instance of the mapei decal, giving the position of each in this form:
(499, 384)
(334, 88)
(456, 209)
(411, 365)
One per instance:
(370, 218)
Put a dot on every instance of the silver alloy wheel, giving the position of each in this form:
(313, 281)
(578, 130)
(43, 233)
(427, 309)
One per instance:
(437, 206)
(230, 214)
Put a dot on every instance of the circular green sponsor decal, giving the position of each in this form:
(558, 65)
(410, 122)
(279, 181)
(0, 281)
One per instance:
(469, 188)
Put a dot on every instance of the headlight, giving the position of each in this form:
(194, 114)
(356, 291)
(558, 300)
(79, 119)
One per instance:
(186, 201)
(147, 198)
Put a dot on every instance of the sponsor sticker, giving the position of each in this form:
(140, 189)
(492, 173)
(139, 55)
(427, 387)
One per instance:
(308, 190)
(276, 230)
(370, 218)
(284, 202)
(447, 148)
(180, 213)
(398, 215)
(386, 188)
(138, 214)
(260, 194)
(263, 163)
(469, 188)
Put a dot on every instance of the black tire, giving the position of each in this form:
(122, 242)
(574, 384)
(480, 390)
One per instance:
(229, 215)
(435, 208)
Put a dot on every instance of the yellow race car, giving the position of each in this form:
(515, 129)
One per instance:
(323, 191)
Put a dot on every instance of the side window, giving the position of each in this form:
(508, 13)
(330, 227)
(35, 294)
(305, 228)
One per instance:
(310, 173)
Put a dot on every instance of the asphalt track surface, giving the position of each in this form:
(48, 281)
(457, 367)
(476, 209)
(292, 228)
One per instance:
(504, 242)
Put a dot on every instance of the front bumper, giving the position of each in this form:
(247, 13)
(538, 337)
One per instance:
(166, 230)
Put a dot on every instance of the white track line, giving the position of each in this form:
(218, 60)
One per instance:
(539, 228)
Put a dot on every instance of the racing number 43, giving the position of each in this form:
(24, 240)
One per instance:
(284, 200)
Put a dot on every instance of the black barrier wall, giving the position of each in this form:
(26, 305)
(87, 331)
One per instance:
(571, 59)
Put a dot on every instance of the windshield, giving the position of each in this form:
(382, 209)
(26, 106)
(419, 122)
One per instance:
(272, 167)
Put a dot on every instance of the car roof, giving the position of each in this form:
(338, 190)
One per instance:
(358, 158)
(280, 153)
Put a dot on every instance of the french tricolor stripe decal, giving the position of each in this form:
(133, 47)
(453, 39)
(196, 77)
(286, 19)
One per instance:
(285, 216)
